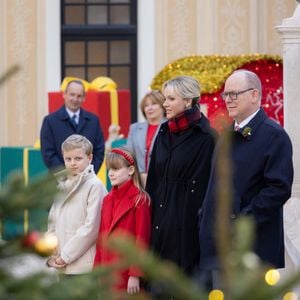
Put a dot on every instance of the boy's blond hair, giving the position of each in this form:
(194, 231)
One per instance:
(77, 141)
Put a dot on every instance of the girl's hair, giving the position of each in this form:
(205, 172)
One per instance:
(186, 87)
(77, 141)
(121, 157)
(155, 96)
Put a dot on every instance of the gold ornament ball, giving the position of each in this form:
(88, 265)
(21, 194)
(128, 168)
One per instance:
(46, 245)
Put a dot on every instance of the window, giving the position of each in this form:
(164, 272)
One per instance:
(99, 38)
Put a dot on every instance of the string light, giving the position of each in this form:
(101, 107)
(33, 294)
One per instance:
(272, 277)
(212, 71)
(290, 296)
(216, 295)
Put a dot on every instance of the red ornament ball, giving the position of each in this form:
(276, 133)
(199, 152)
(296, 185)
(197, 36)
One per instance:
(31, 238)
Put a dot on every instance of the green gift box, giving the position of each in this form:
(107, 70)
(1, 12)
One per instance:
(27, 160)
(11, 160)
(33, 165)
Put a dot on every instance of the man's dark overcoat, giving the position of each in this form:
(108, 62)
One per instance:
(262, 180)
(177, 181)
(57, 126)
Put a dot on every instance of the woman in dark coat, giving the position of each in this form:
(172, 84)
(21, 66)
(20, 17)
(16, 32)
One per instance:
(178, 174)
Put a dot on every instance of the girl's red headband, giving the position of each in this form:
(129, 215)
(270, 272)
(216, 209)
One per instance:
(124, 154)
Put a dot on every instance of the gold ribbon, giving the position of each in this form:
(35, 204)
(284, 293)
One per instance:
(114, 114)
(26, 178)
(102, 173)
(114, 107)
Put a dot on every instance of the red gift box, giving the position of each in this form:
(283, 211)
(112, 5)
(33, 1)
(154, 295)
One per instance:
(100, 103)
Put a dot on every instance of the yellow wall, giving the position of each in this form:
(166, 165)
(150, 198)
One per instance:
(182, 27)
(22, 43)
(186, 27)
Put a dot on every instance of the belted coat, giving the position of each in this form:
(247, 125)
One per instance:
(177, 181)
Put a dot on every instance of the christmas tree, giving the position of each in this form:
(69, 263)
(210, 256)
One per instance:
(245, 276)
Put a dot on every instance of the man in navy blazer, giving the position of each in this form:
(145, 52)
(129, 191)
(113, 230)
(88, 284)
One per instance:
(262, 174)
(70, 119)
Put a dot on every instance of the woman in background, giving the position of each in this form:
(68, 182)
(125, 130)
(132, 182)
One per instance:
(141, 135)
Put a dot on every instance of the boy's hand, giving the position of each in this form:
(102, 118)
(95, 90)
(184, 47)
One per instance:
(133, 285)
(51, 262)
(59, 261)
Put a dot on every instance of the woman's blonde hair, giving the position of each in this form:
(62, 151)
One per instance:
(120, 157)
(155, 96)
(185, 86)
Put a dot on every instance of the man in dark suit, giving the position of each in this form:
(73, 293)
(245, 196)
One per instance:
(70, 119)
(262, 174)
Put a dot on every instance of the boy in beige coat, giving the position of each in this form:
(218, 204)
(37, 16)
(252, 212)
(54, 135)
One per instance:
(75, 215)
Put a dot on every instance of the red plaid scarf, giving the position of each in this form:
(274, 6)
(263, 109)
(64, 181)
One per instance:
(185, 120)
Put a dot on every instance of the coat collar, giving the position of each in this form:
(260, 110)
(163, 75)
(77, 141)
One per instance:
(142, 128)
(141, 134)
(64, 116)
(126, 196)
(144, 125)
(69, 186)
(203, 125)
(253, 125)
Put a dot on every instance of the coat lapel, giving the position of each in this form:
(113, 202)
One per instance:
(257, 121)
(181, 138)
(155, 135)
(81, 177)
(124, 206)
(64, 116)
(126, 203)
(253, 124)
(163, 131)
(83, 118)
(141, 135)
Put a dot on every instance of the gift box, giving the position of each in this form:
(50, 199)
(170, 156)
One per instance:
(11, 159)
(111, 107)
(33, 165)
(27, 160)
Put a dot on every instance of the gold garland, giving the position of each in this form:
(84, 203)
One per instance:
(210, 70)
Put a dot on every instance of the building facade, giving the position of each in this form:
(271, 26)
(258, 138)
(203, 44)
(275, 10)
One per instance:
(31, 37)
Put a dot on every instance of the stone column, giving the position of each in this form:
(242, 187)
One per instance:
(289, 32)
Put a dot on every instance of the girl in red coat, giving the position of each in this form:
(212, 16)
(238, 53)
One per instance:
(125, 211)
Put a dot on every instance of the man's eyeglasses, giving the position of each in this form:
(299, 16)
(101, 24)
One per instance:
(234, 95)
